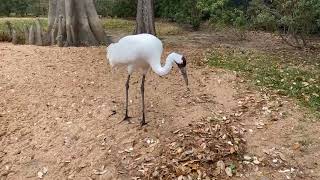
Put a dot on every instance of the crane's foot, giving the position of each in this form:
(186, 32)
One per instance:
(127, 118)
(143, 123)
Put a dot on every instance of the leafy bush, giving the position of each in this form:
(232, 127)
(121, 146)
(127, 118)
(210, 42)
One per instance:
(294, 18)
(181, 11)
(119, 8)
(23, 8)
(297, 18)
(225, 12)
(4, 37)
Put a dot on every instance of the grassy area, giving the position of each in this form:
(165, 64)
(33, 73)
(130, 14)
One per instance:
(122, 25)
(127, 26)
(114, 24)
(19, 23)
(269, 71)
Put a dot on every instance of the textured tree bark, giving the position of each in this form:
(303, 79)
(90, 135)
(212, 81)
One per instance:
(10, 29)
(38, 33)
(14, 37)
(75, 23)
(145, 17)
(26, 34)
(31, 35)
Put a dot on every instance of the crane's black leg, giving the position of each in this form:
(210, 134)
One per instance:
(126, 117)
(143, 121)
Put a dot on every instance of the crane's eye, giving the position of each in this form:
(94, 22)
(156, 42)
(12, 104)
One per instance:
(184, 62)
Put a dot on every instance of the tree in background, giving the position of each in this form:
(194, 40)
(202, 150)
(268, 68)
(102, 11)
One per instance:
(224, 12)
(145, 17)
(5, 7)
(116, 8)
(294, 20)
(74, 23)
(23, 8)
(19, 8)
(39, 7)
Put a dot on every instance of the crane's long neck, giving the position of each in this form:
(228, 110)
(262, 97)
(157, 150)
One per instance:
(161, 71)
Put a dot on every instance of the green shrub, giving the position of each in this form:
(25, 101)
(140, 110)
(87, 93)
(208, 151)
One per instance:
(4, 37)
(224, 12)
(23, 7)
(181, 11)
(295, 18)
(119, 8)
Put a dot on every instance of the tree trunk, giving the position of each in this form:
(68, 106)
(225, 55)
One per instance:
(38, 37)
(14, 37)
(75, 23)
(31, 35)
(145, 17)
(10, 29)
(26, 34)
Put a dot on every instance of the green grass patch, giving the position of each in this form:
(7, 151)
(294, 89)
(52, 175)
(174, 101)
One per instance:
(18, 24)
(269, 71)
(116, 24)
(163, 28)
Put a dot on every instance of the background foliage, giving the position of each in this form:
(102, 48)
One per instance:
(116, 8)
(298, 18)
(23, 8)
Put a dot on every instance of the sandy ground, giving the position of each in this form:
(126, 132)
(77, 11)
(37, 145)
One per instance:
(61, 112)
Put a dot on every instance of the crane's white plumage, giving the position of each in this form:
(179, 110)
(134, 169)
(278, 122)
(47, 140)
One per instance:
(142, 52)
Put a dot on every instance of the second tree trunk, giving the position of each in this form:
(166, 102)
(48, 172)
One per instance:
(145, 17)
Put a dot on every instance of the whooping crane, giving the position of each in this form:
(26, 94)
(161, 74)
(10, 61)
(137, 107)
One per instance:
(143, 51)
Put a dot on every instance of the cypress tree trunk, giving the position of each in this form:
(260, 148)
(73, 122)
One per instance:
(38, 33)
(31, 35)
(74, 23)
(145, 17)
(14, 37)
(10, 29)
(26, 34)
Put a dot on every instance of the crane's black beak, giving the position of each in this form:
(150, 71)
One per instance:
(183, 69)
(184, 74)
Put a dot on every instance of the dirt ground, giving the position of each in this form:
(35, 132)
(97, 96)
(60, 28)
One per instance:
(61, 112)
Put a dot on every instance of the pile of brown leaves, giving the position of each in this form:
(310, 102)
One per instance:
(204, 150)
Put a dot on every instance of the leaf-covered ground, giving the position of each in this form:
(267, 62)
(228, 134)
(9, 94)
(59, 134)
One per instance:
(61, 112)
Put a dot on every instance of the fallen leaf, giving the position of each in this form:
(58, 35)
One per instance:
(228, 171)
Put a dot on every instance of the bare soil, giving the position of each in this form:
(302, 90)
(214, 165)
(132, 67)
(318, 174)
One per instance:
(61, 112)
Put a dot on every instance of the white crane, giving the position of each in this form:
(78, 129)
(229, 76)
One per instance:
(143, 51)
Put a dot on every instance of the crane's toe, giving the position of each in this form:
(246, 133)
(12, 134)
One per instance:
(127, 118)
(143, 123)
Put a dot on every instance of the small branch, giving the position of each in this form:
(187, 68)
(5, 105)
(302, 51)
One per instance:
(287, 42)
(305, 44)
(26, 35)
(296, 39)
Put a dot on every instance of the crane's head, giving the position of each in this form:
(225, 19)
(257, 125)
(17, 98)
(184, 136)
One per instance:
(182, 64)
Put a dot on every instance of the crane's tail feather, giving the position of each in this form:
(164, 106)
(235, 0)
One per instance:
(109, 54)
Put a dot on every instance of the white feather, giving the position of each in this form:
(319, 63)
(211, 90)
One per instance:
(140, 51)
